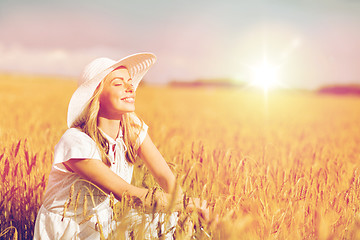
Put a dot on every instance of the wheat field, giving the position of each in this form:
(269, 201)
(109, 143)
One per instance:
(285, 166)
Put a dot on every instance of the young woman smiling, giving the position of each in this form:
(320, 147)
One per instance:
(96, 156)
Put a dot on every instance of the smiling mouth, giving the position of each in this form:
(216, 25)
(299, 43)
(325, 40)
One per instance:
(128, 99)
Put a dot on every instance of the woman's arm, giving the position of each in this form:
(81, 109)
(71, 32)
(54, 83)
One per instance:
(157, 165)
(98, 173)
(164, 176)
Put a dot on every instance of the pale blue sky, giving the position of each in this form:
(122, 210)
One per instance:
(315, 42)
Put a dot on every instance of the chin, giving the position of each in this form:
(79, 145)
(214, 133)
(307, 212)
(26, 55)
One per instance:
(128, 110)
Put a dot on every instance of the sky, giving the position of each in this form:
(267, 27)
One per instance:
(311, 43)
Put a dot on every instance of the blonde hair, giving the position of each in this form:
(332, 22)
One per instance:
(87, 122)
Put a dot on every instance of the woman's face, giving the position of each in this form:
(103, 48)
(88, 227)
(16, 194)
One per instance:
(118, 95)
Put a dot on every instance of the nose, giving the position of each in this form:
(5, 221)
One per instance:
(129, 87)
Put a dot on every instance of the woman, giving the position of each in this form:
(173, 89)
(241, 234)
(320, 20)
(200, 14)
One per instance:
(93, 160)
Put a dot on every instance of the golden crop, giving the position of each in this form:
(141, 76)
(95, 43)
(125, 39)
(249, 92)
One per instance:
(282, 167)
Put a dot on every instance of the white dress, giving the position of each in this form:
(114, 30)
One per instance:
(85, 211)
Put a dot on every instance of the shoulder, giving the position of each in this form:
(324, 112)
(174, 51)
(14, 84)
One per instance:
(75, 135)
(71, 132)
(75, 144)
(75, 138)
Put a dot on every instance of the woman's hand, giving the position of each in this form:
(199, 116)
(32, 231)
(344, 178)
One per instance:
(201, 206)
(156, 200)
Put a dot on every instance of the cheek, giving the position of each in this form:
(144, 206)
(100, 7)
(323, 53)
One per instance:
(104, 99)
(109, 99)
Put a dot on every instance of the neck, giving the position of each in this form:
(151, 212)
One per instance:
(109, 126)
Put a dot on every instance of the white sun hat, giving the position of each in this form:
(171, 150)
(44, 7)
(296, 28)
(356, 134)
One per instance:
(137, 64)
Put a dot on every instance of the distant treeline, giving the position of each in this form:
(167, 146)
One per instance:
(351, 89)
(340, 89)
(206, 83)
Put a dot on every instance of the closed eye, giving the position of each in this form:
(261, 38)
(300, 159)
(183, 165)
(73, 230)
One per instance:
(120, 81)
(117, 82)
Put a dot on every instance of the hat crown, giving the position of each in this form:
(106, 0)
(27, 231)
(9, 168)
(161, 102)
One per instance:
(94, 68)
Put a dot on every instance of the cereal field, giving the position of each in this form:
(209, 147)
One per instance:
(285, 167)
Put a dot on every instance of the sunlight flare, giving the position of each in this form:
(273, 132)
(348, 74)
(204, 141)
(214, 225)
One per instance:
(265, 75)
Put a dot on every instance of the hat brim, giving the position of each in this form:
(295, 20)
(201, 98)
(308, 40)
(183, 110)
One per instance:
(137, 65)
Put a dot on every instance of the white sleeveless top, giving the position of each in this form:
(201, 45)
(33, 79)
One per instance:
(51, 222)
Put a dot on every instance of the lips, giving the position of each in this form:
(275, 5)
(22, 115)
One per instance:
(130, 99)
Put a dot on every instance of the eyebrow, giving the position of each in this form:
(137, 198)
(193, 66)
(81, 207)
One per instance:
(121, 78)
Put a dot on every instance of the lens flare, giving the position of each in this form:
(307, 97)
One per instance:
(265, 75)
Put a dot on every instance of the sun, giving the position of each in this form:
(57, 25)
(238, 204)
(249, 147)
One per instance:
(265, 75)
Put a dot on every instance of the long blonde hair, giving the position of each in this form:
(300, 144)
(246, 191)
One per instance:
(88, 123)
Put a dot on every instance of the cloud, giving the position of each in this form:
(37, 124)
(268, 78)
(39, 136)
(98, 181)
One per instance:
(18, 59)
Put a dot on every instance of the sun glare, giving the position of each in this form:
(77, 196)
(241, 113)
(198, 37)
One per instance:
(265, 75)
